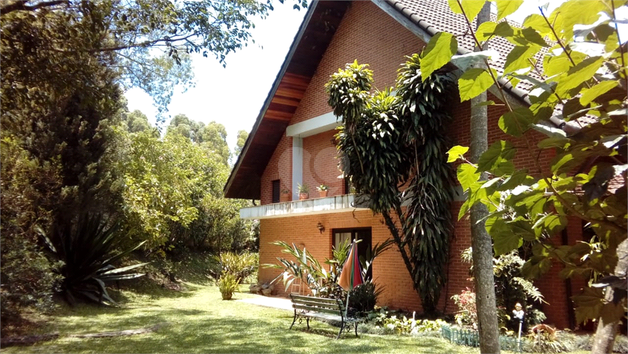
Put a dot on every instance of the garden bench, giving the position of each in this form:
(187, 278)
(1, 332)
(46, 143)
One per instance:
(325, 309)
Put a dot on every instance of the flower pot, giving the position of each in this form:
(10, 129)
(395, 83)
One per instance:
(303, 196)
(285, 197)
(227, 295)
(322, 194)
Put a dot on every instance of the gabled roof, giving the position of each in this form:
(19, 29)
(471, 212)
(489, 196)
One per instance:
(309, 45)
(422, 17)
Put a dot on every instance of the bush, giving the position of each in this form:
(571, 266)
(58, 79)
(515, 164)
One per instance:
(239, 265)
(395, 322)
(227, 284)
(364, 297)
(89, 249)
(467, 314)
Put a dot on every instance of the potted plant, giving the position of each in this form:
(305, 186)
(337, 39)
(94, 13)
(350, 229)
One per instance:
(284, 196)
(227, 285)
(322, 190)
(304, 191)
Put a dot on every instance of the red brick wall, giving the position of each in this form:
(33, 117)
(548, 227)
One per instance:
(279, 167)
(370, 36)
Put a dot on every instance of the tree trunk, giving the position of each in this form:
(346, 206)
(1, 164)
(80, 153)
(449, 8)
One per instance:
(606, 332)
(481, 241)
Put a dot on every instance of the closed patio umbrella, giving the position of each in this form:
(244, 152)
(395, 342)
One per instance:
(351, 275)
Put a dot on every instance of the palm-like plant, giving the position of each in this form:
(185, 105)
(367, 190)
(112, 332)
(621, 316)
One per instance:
(89, 249)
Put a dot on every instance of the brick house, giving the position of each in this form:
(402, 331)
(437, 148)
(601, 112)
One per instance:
(292, 143)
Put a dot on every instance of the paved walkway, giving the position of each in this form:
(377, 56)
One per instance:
(270, 301)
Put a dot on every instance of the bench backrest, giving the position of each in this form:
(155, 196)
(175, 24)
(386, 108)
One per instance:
(317, 304)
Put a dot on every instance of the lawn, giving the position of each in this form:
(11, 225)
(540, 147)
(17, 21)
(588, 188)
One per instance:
(197, 320)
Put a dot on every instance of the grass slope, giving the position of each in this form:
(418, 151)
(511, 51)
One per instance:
(198, 321)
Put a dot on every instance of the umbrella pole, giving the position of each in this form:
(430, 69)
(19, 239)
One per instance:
(347, 306)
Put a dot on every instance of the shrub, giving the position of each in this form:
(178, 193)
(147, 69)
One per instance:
(467, 314)
(397, 323)
(89, 250)
(364, 297)
(239, 265)
(544, 340)
(227, 284)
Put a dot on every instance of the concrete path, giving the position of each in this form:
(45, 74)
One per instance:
(270, 301)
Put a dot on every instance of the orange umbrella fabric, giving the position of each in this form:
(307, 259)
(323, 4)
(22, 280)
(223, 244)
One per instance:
(351, 275)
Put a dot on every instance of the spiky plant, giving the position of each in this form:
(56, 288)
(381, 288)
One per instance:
(89, 250)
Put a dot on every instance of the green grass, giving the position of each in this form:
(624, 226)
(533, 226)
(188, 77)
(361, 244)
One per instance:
(198, 321)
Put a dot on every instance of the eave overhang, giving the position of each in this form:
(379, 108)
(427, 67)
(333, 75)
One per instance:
(309, 45)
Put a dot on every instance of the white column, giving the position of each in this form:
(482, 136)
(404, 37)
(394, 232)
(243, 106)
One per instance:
(297, 165)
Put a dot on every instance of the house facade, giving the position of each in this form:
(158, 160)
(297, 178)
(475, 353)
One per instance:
(292, 143)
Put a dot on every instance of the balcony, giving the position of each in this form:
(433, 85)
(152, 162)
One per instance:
(335, 204)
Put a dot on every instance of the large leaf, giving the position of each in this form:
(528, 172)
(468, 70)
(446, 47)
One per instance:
(456, 152)
(507, 7)
(588, 304)
(473, 82)
(519, 58)
(467, 175)
(516, 122)
(578, 74)
(437, 53)
(505, 241)
(471, 7)
(498, 152)
(589, 95)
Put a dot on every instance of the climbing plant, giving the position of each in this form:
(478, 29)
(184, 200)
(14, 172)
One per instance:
(393, 149)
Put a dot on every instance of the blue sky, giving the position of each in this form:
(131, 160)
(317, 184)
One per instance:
(233, 96)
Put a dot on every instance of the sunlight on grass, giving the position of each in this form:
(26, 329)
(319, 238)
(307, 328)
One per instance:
(198, 321)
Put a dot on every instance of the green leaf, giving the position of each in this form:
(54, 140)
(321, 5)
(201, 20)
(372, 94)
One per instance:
(437, 53)
(456, 152)
(553, 223)
(579, 74)
(515, 123)
(498, 152)
(588, 304)
(516, 179)
(505, 241)
(473, 82)
(518, 58)
(485, 30)
(467, 175)
(485, 103)
(589, 95)
(553, 142)
(507, 7)
(471, 7)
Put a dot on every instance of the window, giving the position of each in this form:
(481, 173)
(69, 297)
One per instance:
(275, 191)
(346, 235)
(347, 185)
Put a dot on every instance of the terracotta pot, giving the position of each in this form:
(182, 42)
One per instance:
(303, 196)
(322, 194)
(227, 296)
(285, 197)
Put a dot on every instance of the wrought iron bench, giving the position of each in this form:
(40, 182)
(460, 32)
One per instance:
(324, 309)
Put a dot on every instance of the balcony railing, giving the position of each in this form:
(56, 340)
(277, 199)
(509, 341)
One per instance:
(335, 204)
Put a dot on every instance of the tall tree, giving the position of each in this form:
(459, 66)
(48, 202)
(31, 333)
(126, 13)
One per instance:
(481, 241)
(393, 151)
(242, 136)
(151, 40)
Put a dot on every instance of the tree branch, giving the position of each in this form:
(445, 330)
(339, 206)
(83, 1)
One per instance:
(21, 6)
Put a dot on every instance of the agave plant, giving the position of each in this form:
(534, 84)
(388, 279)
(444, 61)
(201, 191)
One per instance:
(89, 249)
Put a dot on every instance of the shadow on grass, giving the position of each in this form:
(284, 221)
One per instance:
(241, 335)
